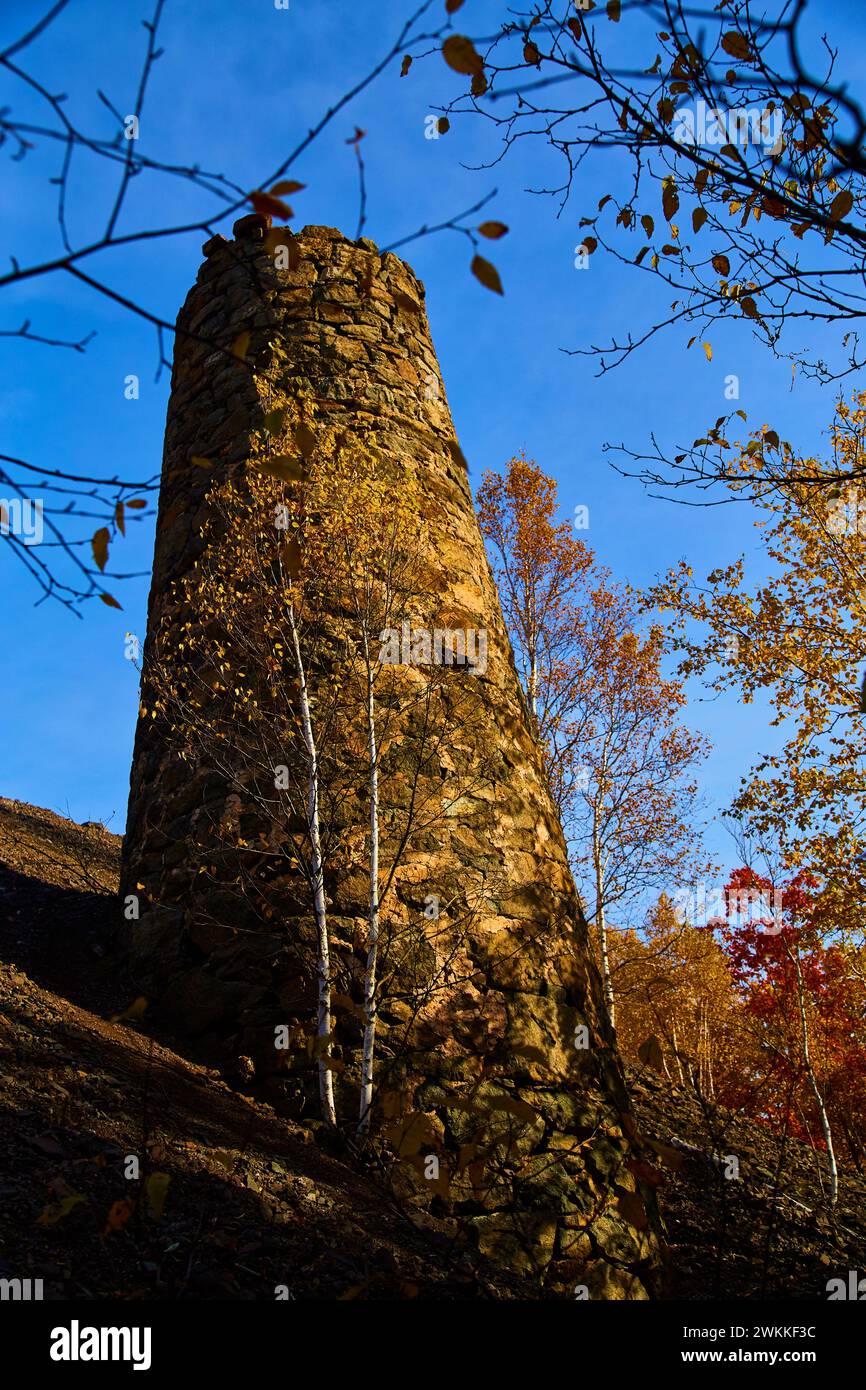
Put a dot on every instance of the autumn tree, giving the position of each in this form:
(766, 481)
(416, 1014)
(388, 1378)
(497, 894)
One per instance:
(241, 683)
(373, 533)
(796, 638)
(619, 764)
(540, 568)
(674, 983)
(282, 679)
(806, 1009)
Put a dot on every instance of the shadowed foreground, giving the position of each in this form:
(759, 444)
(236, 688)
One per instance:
(250, 1201)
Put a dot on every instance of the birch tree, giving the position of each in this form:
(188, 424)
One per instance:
(374, 528)
(619, 765)
(240, 685)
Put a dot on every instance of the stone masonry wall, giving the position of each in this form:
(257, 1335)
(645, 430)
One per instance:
(538, 1155)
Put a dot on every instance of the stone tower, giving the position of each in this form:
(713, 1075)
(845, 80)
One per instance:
(511, 1080)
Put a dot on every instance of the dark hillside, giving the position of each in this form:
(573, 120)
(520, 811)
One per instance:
(249, 1200)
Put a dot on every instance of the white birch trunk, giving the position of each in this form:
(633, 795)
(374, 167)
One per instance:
(601, 923)
(323, 954)
(373, 918)
(813, 1082)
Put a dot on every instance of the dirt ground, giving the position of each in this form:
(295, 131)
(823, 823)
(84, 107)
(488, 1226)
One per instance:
(129, 1169)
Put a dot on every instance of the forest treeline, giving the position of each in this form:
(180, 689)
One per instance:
(747, 984)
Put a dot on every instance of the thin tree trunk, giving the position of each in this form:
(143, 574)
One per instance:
(677, 1055)
(373, 918)
(323, 954)
(601, 923)
(813, 1082)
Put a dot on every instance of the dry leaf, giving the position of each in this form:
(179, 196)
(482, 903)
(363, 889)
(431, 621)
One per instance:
(135, 1010)
(118, 1215)
(155, 1192)
(487, 273)
(99, 546)
(270, 207)
(57, 1210)
(459, 53)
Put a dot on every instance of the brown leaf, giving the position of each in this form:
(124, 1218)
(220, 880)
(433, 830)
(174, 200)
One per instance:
(282, 467)
(280, 238)
(631, 1208)
(290, 553)
(493, 230)
(305, 438)
(699, 217)
(443, 125)
(479, 84)
(648, 224)
(749, 307)
(459, 53)
(136, 502)
(531, 54)
(109, 601)
(452, 6)
(670, 1157)
(57, 1210)
(841, 205)
(120, 519)
(99, 545)
(614, 8)
(487, 273)
(721, 263)
(737, 45)
(406, 64)
(285, 187)
(645, 1172)
(135, 1010)
(118, 1215)
(268, 206)
(275, 420)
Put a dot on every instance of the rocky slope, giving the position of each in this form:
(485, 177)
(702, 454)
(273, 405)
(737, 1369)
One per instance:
(232, 1201)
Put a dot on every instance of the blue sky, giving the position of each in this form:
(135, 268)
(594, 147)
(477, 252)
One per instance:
(236, 89)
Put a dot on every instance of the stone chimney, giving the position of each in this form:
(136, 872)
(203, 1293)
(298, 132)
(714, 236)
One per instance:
(510, 1081)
